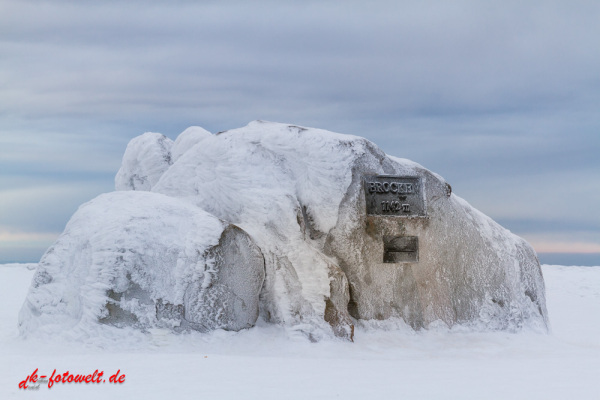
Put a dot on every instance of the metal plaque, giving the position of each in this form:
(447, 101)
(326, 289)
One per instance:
(400, 196)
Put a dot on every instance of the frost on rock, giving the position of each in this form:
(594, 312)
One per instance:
(299, 193)
(188, 139)
(146, 158)
(289, 205)
(145, 260)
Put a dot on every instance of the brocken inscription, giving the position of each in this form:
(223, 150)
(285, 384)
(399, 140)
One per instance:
(394, 196)
(394, 187)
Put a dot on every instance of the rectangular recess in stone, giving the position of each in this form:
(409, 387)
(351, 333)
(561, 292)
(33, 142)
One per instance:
(397, 249)
(395, 196)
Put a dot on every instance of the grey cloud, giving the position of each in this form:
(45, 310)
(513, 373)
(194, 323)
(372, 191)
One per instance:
(467, 57)
(549, 226)
(45, 207)
(476, 91)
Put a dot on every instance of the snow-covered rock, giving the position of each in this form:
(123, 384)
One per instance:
(283, 185)
(333, 250)
(145, 260)
(146, 158)
(467, 269)
(188, 139)
(299, 193)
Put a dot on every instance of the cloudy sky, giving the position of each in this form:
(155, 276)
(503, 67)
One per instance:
(501, 98)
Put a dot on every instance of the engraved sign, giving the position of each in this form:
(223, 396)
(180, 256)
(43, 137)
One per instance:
(394, 196)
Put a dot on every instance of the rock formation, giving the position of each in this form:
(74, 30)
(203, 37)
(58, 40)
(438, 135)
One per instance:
(145, 260)
(345, 232)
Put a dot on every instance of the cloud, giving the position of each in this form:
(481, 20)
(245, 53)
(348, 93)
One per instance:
(566, 247)
(45, 208)
(499, 98)
(24, 239)
(389, 58)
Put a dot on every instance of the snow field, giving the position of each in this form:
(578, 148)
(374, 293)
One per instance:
(387, 360)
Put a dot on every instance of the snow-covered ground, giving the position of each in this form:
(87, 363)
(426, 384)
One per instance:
(267, 363)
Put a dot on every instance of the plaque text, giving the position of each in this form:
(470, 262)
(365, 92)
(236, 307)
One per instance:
(394, 195)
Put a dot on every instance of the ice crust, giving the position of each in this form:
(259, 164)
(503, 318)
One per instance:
(146, 158)
(296, 192)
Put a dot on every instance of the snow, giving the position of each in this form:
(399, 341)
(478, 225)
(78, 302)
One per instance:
(146, 158)
(121, 241)
(188, 139)
(270, 362)
(265, 162)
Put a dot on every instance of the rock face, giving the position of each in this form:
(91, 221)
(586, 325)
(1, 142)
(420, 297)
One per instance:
(448, 263)
(145, 260)
(468, 270)
(230, 300)
(340, 230)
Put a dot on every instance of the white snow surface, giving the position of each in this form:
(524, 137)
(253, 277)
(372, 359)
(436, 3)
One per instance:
(269, 362)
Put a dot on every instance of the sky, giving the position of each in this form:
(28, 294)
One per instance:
(501, 98)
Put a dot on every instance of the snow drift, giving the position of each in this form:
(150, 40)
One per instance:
(298, 193)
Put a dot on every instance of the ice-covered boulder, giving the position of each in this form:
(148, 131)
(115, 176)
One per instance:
(145, 260)
(441, 260)
(188, 139)
(146, 158)
(301, 194)
(340, 230)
